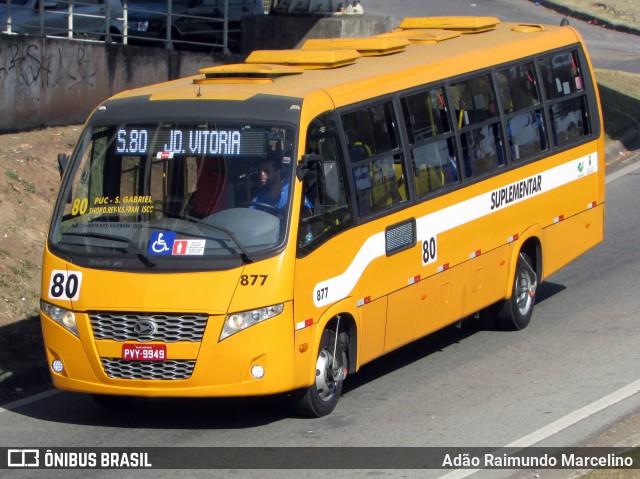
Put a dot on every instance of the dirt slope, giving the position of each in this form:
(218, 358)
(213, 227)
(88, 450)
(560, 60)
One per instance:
(28, 187)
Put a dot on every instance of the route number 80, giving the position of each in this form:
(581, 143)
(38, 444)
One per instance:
(65, 284)
(429, 250)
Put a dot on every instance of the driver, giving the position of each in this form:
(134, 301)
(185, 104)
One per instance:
(274, 190)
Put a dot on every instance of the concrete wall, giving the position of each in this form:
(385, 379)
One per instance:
(283, 31)
(46, 82)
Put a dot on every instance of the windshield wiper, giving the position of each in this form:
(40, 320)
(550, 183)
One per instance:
(138, 252)
(244, 254)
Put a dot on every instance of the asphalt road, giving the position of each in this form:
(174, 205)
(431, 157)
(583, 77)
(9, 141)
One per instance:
(609, 49)
(543, 386)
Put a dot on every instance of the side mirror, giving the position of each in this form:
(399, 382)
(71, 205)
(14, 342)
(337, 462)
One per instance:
(307, 163)
(63, 161)
(314, 163)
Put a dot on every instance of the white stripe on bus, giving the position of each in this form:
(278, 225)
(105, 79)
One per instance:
(429, 226)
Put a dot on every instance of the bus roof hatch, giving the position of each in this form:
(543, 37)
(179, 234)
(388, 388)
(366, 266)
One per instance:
(421, 35)
(458, 24)
(366, 46)
(242, 72)
(305, 59)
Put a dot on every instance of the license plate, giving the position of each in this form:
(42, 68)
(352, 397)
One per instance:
(144, 352)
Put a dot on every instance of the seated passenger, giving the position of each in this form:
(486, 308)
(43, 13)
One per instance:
(210, 188)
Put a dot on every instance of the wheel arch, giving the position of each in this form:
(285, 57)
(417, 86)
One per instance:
(347, 325)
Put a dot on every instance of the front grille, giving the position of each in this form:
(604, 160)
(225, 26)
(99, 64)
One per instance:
(168, 328)
(170, 369)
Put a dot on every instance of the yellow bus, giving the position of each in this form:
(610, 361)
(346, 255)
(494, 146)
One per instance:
(271, 226)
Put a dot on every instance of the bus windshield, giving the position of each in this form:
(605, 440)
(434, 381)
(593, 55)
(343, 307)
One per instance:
(169, 195)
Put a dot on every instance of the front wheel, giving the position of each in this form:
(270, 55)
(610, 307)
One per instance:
(516, 312)
(321, 397)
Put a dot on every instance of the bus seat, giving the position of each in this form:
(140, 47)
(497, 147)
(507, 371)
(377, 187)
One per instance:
(210, 193)
(429, 178)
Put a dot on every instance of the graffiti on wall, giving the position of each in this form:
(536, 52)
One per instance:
(32, 64)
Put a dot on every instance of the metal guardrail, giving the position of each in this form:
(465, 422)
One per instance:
(208, 31)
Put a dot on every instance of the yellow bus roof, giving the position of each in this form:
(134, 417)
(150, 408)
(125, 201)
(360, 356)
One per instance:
(347, 76)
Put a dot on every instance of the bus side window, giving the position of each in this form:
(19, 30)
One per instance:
(332, 209)
(431, 140)
(525, 123)
(479, 124)
(561, 74)
(564, 89)
(376, 157)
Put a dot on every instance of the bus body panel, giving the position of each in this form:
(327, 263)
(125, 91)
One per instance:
(577, 234)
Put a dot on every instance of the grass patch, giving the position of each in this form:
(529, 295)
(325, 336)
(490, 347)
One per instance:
(27, 185)
(23, 269)
(619, 13)
(617, 473)
(12, 175)
(620, 97)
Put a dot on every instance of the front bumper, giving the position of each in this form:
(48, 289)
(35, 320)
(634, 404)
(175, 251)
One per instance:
(195, 369)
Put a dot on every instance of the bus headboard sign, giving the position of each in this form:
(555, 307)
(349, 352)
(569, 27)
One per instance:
(202, 142)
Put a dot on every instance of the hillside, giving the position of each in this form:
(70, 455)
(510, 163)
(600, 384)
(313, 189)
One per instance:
(28, 188)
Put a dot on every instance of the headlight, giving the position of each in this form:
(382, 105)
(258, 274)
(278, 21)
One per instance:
(64, 317)
(239, 321)
(139, 26)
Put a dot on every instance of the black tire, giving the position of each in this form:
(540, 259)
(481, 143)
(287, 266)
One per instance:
(321, 397)
(515, 313)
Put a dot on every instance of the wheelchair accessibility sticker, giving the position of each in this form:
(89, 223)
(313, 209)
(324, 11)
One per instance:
(161, 242)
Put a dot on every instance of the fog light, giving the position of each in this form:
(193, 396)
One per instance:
(257, 371)
(57, 366)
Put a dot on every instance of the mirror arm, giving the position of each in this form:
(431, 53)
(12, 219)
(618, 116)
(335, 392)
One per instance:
(63, 161)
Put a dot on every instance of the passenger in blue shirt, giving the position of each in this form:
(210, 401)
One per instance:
(274, 190)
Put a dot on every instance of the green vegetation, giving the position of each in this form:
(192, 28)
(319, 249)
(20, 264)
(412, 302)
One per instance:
(622, 13)
(12, 175)
(617, 473)
(27, 185)
(620, 97)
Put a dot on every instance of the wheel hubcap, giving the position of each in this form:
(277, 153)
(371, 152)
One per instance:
(325, 384)
(525, 292)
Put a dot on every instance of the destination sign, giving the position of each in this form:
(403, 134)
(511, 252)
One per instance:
(197, 142)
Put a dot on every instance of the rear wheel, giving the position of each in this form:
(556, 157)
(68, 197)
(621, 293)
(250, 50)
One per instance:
(321, 397)
(515, 313)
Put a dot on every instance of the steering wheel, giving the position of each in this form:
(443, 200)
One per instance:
(262, 206)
